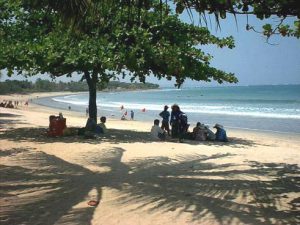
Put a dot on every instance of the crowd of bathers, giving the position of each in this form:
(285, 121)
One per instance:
(175, 125)
(11, 104)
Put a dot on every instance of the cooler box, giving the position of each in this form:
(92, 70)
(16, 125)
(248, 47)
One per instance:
(56, 126)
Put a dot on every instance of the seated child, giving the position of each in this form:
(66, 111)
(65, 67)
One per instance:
(101, 128)
(156, 132)
(210, 136)
(199, 132)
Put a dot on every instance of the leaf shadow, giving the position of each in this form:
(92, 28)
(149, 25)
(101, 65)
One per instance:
(193, 184)
(9, 119)
(38, 188)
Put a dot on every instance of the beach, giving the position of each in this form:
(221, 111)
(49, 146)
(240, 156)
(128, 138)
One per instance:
(268, 108)
(252, 179)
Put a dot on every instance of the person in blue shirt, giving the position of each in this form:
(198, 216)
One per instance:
(165, 115)
(132, 115)
(221, 133)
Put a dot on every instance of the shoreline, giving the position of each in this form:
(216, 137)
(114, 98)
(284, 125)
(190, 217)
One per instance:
(55, 110)
(46, 101)
(38, 108)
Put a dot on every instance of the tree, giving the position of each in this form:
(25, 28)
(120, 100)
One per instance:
(262, 9)
(73, 10)
(108, 42)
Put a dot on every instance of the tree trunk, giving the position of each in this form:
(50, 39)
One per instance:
(92, 81)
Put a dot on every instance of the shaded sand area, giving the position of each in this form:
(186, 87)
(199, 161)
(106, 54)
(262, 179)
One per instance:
(253, 179)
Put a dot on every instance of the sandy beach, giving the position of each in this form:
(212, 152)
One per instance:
(252, 179)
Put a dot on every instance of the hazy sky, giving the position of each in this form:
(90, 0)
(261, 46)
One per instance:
(253, 61)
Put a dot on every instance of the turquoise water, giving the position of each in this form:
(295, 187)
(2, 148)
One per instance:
(270, 108)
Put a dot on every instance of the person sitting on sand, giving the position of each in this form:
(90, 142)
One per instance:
(199, 132)
(9, 105)
(156, 132)
(221, 133)
(210, 136)
(101, 128)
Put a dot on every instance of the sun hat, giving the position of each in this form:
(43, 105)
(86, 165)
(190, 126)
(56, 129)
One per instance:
(218, 126)
(175, 106)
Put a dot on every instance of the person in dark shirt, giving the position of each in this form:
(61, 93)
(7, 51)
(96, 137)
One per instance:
(165, 115)
(178, 122)
(221, 133)
(132, 115)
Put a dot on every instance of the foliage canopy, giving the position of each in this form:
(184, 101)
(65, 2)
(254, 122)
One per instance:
(107, 41)
(74, 10)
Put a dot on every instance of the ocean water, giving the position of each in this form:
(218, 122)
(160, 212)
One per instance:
(265, 108)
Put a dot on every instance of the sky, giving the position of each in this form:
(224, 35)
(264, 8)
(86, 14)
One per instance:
(253, 60)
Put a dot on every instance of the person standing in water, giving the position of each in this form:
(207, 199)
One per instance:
(132, 115)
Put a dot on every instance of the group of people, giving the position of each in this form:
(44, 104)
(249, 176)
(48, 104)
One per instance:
(124, 116)
(10, 104)
(58, 127)
(179, 127)
(202, 133)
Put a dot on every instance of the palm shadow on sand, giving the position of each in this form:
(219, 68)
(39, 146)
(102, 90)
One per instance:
(41, 188)
(202, 189)
(47, 188)
(38, 188)
(9, 119)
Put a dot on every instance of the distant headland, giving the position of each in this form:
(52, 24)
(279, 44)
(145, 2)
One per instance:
(16, 86)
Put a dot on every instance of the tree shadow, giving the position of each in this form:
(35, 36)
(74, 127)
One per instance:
(191, 184)
(233, 142)
(37, 188)
(206, 189)
(8, 115)
(114, 136)
(8, 119)
(263, 193)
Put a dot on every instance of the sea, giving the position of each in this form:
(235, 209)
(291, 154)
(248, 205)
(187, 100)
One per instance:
(269, 108)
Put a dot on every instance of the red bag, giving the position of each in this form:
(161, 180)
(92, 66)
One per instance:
(56, 126)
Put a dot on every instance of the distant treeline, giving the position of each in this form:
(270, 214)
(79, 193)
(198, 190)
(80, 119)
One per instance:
(16, 86)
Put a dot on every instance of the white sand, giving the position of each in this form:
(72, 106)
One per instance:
(253, 179)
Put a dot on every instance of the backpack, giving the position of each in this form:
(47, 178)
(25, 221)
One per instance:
(183, 119)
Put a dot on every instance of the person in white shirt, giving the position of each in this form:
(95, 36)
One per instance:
(156, 132)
